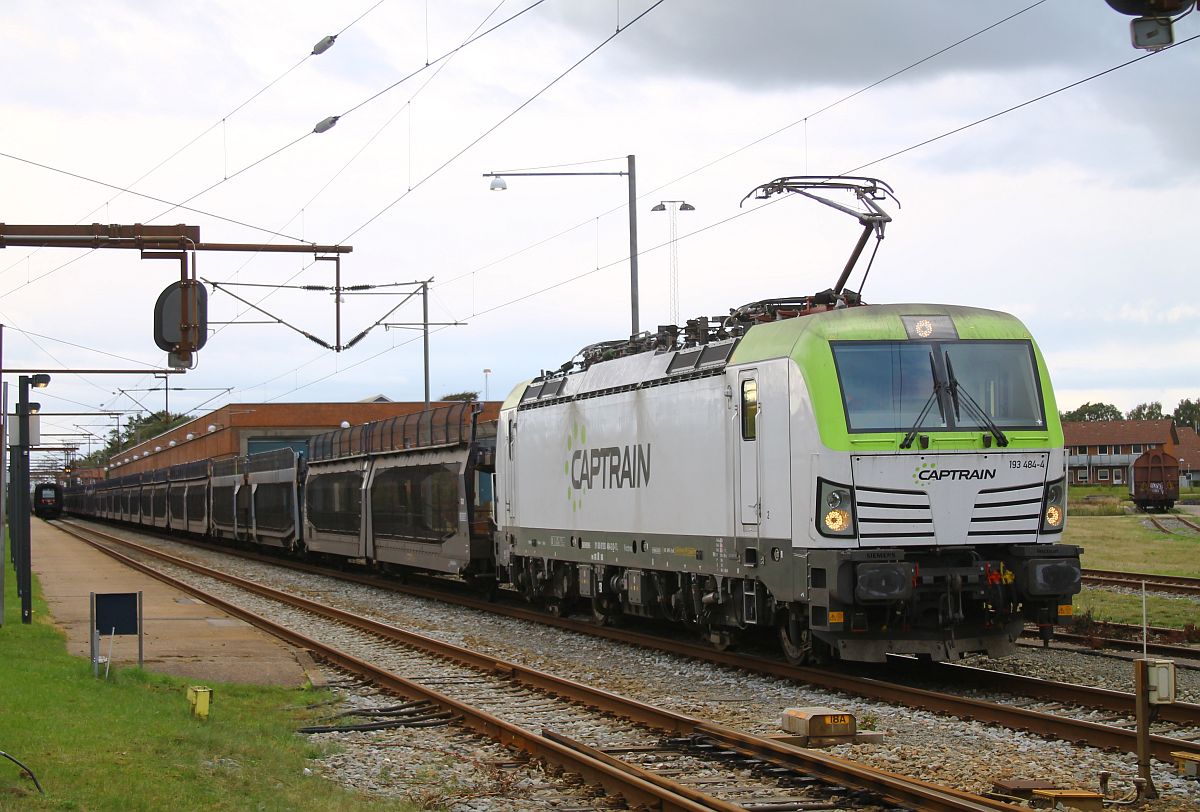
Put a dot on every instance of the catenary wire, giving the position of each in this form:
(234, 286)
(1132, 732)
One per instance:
(499, 123)
(129, 186)
(740, 214)
(747, 212)
(758, 140)
(363, 148)
(483, 135)
(356, 107)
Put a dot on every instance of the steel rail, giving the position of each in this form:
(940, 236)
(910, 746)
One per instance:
(1186, 522)
(1161, 527)
(891, 786)
(1109, 737)
(1182, 713)
(1095, 641)
(1176, 584)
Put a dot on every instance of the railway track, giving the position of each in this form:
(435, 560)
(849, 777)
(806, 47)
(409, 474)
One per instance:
(1187, 523)
(1103, 639)
(1050, 722)
(1177, 585)
(1162, 528)
(593, 733)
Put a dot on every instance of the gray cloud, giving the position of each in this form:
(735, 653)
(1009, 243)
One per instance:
(784, 43)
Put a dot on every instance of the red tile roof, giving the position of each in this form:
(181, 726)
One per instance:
(1188, 450)
(1120, 432)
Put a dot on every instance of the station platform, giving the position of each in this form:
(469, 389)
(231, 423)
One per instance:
(183, 636)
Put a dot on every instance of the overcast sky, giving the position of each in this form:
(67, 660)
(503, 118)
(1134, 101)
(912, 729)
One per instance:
(1075, 212)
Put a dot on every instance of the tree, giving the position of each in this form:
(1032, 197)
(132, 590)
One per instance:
(1146, 411)
(468, 397)
(1092, 411)
(1187, 413)
(138, 430)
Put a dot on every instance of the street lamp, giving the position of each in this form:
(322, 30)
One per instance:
(486, 372)
(674, 206)
(498, 185)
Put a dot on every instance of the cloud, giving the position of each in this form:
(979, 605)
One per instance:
(763, 43)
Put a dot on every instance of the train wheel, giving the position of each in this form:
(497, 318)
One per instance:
(800, 647)
(603, 612)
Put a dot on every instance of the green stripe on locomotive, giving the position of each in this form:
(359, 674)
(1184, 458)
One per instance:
(806, 341)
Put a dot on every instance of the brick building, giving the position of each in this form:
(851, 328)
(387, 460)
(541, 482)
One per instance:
(1099, 452)
(249, 428)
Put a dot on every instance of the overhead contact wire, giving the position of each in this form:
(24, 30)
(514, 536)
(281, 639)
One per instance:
(506, 118)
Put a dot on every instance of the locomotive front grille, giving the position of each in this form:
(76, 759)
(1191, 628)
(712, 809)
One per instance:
(1013, 511)
(884, 513)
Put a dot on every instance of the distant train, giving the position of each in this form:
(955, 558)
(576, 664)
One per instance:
(47, 500)
(1154, 485)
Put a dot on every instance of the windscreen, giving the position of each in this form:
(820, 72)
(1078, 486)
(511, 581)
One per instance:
(887, 384)
(999, 376)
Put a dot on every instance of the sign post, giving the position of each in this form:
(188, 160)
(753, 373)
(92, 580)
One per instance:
(112, 614)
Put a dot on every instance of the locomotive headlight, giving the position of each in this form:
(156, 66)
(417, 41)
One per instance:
(1054, 506)
(834, 509)
(837, 521)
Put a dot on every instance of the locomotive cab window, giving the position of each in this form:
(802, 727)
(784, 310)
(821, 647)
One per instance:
(749, 409)
(887, 385)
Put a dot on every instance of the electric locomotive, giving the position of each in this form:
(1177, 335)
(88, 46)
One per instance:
(863, 480)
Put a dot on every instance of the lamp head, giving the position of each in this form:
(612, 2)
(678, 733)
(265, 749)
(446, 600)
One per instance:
(659, 207)
(40, 381)
(686, 207)
(498, 185)
(33, 408)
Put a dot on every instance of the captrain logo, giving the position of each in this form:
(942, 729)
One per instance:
(929, 472)
(602, 468)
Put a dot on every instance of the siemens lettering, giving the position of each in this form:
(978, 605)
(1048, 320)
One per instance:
(612, 467)
(956, 473)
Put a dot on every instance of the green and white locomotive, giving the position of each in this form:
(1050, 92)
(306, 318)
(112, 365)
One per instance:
(864, 480)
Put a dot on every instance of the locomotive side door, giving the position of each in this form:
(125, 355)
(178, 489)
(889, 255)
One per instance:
(508, 454)
(747, 443)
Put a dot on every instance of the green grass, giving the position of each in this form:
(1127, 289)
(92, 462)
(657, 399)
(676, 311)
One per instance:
(1118, 607)
(129, 743)
(1124, 544)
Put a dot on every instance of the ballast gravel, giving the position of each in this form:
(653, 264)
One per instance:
(963, 754)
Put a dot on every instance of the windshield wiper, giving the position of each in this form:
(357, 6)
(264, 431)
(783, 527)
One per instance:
(974, 408)
(937, 390)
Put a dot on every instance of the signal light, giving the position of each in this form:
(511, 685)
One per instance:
(837, 520)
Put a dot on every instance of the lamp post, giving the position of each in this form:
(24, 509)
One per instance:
(498, 185)
(674, 206)
(21, 506)
(486, 373)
